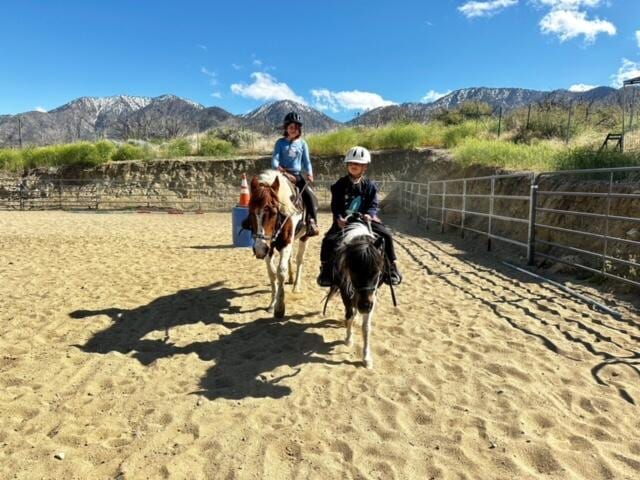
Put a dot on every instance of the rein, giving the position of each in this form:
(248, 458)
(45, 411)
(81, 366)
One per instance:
(275, 236)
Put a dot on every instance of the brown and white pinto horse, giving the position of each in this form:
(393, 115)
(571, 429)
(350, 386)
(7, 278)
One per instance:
(274, 218)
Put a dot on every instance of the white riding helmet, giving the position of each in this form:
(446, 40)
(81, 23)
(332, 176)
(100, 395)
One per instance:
(358, 155)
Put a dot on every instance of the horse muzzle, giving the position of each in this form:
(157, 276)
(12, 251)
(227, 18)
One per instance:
(365, 301)
(260, 249)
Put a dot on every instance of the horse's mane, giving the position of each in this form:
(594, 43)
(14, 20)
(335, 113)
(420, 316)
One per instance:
(285, 192)
(356, 247)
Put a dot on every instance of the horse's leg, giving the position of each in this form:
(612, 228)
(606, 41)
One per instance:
(367, 325)
(302, 246)
(271, 270)
(349, 316)
(285, 254)
(290, 280)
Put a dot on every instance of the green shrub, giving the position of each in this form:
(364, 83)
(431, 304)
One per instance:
(40, 157)
(11, 159)
(585, 158)
(336, 143)
(505, 154)
(408, 136)
(455, 134)
(126, 151)
(215, 147)
(104, 150)
(179, 147)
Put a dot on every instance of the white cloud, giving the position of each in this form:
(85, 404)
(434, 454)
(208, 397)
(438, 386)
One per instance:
(236, 66)
(568, 24)
(485, 9)
(202, 47)
(216, 95)
(325, 99)
(266, 87)
(40, 109)
(581, 87)
(432, 96)
(638, 37)
(213, 76)
(569, 4)
(627, 70)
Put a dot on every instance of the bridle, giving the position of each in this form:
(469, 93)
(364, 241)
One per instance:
(279, 222)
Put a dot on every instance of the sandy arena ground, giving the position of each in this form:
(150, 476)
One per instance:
(479, 374)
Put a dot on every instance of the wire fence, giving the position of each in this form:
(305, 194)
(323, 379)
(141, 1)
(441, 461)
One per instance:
(587, 219)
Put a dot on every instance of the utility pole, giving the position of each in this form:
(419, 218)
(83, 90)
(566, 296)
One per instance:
(569, 124)
(20, 131)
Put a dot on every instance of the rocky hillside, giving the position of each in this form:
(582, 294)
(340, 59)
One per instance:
(168, 116)
(119, 117)
(268, 118)
(507, 98)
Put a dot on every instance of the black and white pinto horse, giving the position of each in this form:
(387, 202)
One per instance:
(358, 271)
(274, 221)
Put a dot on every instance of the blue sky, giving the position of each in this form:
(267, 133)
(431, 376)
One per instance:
(340, 56)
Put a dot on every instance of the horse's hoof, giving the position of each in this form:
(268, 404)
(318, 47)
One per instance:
(348, 342)
(279, 313)
(297, 289)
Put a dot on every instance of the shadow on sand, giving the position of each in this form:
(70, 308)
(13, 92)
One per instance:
(244, 357)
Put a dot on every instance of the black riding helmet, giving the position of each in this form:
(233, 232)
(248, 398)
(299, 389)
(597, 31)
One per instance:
(292, 117)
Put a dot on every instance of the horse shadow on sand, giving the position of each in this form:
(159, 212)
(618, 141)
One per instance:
(245, 355)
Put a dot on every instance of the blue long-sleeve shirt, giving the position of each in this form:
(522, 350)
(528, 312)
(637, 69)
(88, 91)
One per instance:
(294, 156)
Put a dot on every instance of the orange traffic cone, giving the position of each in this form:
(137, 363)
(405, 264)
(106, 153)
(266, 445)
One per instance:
(244, 192)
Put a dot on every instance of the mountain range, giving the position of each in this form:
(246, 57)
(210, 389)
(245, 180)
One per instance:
(168, 116)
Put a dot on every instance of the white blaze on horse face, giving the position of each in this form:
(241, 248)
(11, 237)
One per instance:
(260, 246)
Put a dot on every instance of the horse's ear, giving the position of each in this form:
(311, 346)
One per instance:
(254, 184)
(275, 186)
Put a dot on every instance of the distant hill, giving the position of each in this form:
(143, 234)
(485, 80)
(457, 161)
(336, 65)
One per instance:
(122, 117)
(118, 117)
(507, 98)
(268, 118)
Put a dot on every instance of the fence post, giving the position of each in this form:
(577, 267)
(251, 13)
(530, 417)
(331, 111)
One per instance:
(98, 185)
(606, 225)
(464, 207)
(569, 125)
(500, 122)
(60, 193)
(444, 205)
(490, 226)
(428, 202)
(531, 242)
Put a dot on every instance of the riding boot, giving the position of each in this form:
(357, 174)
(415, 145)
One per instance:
(393, 276)
(325, 279)
(312, 228)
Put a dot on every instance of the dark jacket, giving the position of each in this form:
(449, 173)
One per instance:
(344, 191)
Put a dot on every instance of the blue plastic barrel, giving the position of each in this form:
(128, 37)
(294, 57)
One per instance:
(240, 239)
